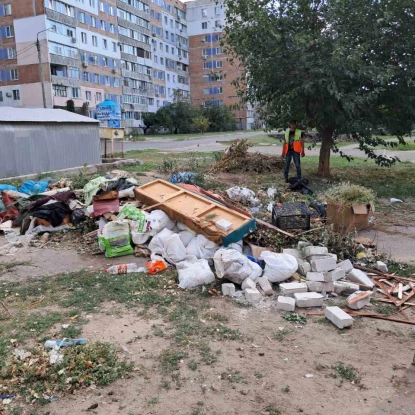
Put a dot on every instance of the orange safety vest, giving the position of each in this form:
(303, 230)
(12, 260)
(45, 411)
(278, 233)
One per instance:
(298, 145)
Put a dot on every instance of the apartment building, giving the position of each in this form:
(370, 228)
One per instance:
(211, 75)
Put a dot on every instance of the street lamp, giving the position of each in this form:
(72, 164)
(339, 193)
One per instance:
(40, 65)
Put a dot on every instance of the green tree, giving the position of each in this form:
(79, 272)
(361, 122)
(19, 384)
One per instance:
(201, 124)
(70, 105)
(84, 109)
(150, 120)
(220, 118)
(177, 117)
(339, 66)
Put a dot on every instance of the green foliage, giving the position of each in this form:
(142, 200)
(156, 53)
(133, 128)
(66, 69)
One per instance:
(220, 118)
(345, 372)
(200, 124)
(341, 67)
(295, 318)
(350, 194)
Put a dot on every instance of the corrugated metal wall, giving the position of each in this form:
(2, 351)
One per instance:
(30, 148)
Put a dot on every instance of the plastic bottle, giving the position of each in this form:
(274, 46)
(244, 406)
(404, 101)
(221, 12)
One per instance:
(124, 269)
(50, 344)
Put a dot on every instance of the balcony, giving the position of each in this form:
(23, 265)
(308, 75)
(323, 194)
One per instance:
(134, 75)
(61, 18)
(63, 60)
(133, 26)
(62, 80)
(131, 123)
(133, 10)
(134, 107)
(133, 42)
(138, 91)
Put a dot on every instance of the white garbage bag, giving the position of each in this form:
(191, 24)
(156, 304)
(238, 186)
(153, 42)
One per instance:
(181, 226)
(201, 247)
(234, 266)
(159, 221)
(237, 245)
(175, 251)
(194, 272)
(157, 244)
(243, 195)
(186, 237)
(278, 267)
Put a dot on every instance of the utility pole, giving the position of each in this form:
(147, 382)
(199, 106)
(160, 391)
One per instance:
(39, 55)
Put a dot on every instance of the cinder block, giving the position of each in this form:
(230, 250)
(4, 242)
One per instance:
(316, 276)
(356, 275)
(320, 287)
(323, 256)
(265, 285)
(293, 287)
(248, 283)
(228, 289)
(338, 317)
(315, 250)
(296, 253)
(303, 267)
(359, 304)
(336, 274)
(345, 288)
(285, 303)
(308, 299)
(381, 266)
(346, 265)
(252, 295)
(323, 264)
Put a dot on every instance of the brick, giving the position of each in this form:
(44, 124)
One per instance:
(338, 317)
(336, 274)
(296, 253)
(315, 276)
(252, 295)
(308, 299)
(228, 289)
(346, 265)
(359, 304)
(315, 250)
(323, 264)
(356, 275)
(345, 287)
(265, 285)
(293, 287)
(381, 266)
(303, 267)
(285, 303)
(320, 287)
(248, 283)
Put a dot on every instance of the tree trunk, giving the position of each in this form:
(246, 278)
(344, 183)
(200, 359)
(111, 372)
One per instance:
(324, 159)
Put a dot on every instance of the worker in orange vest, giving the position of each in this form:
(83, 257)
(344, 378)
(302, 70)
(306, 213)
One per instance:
(293, 148)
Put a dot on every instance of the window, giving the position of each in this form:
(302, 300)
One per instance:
(167, 48)
(101, 6)
(212, 64)
(81, 17)
(151, 101)
(93, 21)
(171, 23)
(168, 77)
(212, 51)
(114, 47)
(88, 95)
(83, 37)
(174, 78)
(172, 51)
(105, 61)
(102, 24)
(73, 72)
(75, 93)
(217, 23)
(94, 41)
(14, 75)
(218, 10)
(11, 53)
(161, 61)
(104, 43)
(204, 25)
(8, 10)
(112, 28)
(98, 97)
(172, 37)
(212, 91)
(92, 3)
(161, 46)
(1, 96)
(165, 20)
(16, 94)
(9, 31)
(204, 12)
(156, 59)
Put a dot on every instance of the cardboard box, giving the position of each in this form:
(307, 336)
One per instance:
(348, 219)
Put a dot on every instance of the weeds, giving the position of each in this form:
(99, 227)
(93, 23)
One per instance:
(233, 376)
(192, 365)
(8, 266)
(280, 335)
(345, 372)
(258, 375)
(286, 389)
(272, 410)
(170, 359)
(295, 318)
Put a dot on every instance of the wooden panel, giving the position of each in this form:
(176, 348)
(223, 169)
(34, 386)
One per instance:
(189, 204)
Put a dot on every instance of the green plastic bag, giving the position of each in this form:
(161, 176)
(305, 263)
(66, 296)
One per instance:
(114, 238)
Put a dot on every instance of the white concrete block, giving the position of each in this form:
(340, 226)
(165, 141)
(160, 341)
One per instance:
(320, 287)
(296, 253)
(293, 287)
(266, 286)
(356, 275)
(248, 283)
(315, 250)
(252, 295)
(285, 303)
(345, 287)
(228, 289)
(323, 264)
(381, 266)
(336, 274)
(346, 265)
(338, 317)
(316, 276)
(324, 256)
(359, 304)
(303, 267)
(308, 299)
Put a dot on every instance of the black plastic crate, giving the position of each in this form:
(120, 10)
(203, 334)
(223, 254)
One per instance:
(294, 215)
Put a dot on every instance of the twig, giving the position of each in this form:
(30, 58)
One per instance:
(5, 307)
(37, 302)
(310, 230)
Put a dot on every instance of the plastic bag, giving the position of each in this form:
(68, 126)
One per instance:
(114, 239)
(194, 272)
(159, 221)
(156, 266)
(131, 212)
(234, 266)
(238, 246)
(175, 251)
(201, 247)
(157, 243)
(126, 193)
(186, 237)
(243, 195)
(33, 188)
(278, 267)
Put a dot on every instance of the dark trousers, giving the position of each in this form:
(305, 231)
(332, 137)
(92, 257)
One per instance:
(293, 155)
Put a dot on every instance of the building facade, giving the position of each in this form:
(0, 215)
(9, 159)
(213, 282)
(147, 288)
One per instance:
(141, 54)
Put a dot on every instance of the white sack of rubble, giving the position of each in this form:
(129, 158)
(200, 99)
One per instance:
(278, 267)
(243, 195)
(201, 247)
(175, 251)
(156, 245)
(194, 272)
(234, 266)
(186, 237)
(159, 221)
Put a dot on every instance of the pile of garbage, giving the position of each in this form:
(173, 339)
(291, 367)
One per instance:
(237, 159)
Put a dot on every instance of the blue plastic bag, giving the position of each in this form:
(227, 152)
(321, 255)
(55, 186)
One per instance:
(183, 177)
(4, 187)
(33, 188)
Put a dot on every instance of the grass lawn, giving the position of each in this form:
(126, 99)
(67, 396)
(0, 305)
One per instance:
(258, 140)
(182, 137)
(409, 145)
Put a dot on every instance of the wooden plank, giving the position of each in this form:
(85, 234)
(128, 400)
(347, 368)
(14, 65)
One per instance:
(274, 228)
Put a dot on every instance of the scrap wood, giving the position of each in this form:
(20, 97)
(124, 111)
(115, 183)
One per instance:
(274, 228)
(359, 297)
(370, 315)
(389, 293)
(5, 307)
(382, 274)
